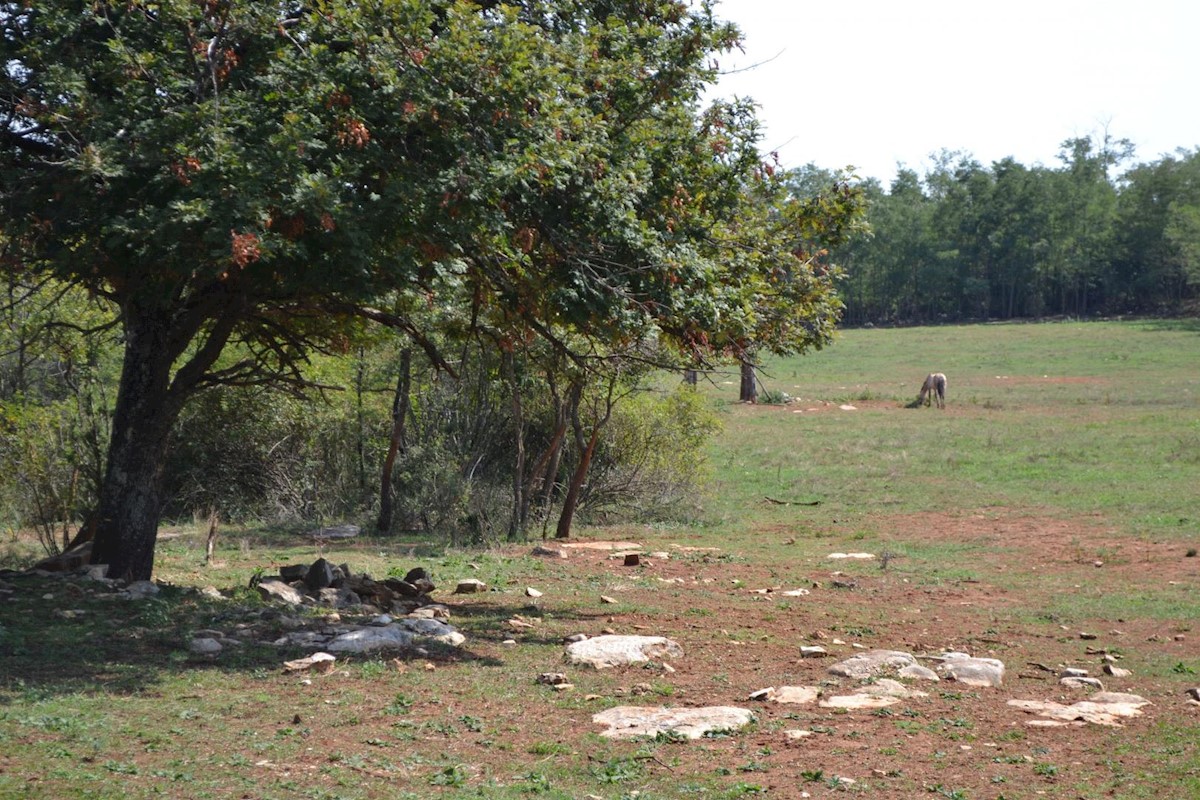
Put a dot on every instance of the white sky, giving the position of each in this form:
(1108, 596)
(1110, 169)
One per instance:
(871, 83)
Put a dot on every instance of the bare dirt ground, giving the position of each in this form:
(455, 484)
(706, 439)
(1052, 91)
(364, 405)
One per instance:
(739, 638)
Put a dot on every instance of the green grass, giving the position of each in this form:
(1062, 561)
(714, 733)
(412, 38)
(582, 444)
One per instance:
(1113, 427)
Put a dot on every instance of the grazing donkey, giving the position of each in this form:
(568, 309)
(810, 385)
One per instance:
(933, 389)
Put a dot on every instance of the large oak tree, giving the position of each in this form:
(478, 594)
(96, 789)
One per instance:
(244, 177)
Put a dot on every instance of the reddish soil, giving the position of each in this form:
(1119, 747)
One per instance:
(964, 739)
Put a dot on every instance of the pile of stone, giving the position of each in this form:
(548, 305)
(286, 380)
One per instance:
(323, 583)
(402, 613)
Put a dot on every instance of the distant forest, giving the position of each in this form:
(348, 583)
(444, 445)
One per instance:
(1090, 236)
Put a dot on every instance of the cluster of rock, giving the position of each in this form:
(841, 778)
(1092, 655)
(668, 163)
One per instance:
(403, 613)
(323, 583)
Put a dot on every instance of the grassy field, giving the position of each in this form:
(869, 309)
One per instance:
(1056, 495)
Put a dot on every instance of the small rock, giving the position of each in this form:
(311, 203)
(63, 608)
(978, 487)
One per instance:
(1116, 672)
(293, 572)
(531, 592)
(1082, 683)
(796, 593)
(1194, 693)
(470, 586)
(205, 646)
(212, 592)
(549, 552)
(551, 678)
(607, 600)
(519, 624)
(509, 642)
(278, 590)
(633, 559)
(435, 611)
(813, 651)
(798, 734)
(317, 662)
(140, 590)
(1087, 636)
(1073, 672)
(918, 672)
(319, 576)
(574, 637)
(795, 695)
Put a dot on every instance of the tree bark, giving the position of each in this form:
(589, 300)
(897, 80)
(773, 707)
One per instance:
(210, 544)
(575, 489)
(131, 494)
(400, 405)
(749, 387)
(150, 395)
(563, 531)
(516, 522)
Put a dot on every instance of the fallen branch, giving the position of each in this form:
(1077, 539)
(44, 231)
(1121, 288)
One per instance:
(791, 502)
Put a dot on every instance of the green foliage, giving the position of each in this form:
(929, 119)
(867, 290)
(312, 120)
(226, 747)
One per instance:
(55, 390)
(243, 179)
(651, 464)
(968, 242)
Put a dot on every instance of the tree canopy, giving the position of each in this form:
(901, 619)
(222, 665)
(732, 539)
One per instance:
(240, 177)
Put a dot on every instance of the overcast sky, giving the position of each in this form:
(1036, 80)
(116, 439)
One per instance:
(871, 83)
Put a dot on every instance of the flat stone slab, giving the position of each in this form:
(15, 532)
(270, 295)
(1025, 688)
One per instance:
(598, 545)
(860, 556)
(1104, 708)
(881, 694)
(628, 722)
(859, 701)
(603, 652)
(986, 673)
(794, 695)
(398, 635)
(873, 663)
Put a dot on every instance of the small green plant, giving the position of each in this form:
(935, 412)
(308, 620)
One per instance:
(535, 783)
(813, 775)
(400, 704)
(1183, 669)
(453, 775)
(1045, 770)
(617, 770)
(548, 749)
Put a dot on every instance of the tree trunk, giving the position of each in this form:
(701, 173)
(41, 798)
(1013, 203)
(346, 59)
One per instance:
(131, 494)
(749, 388)
(210, 544)
(395, 443)
(563, 531)
(516, 522)
(150, 395)
(586, 451)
